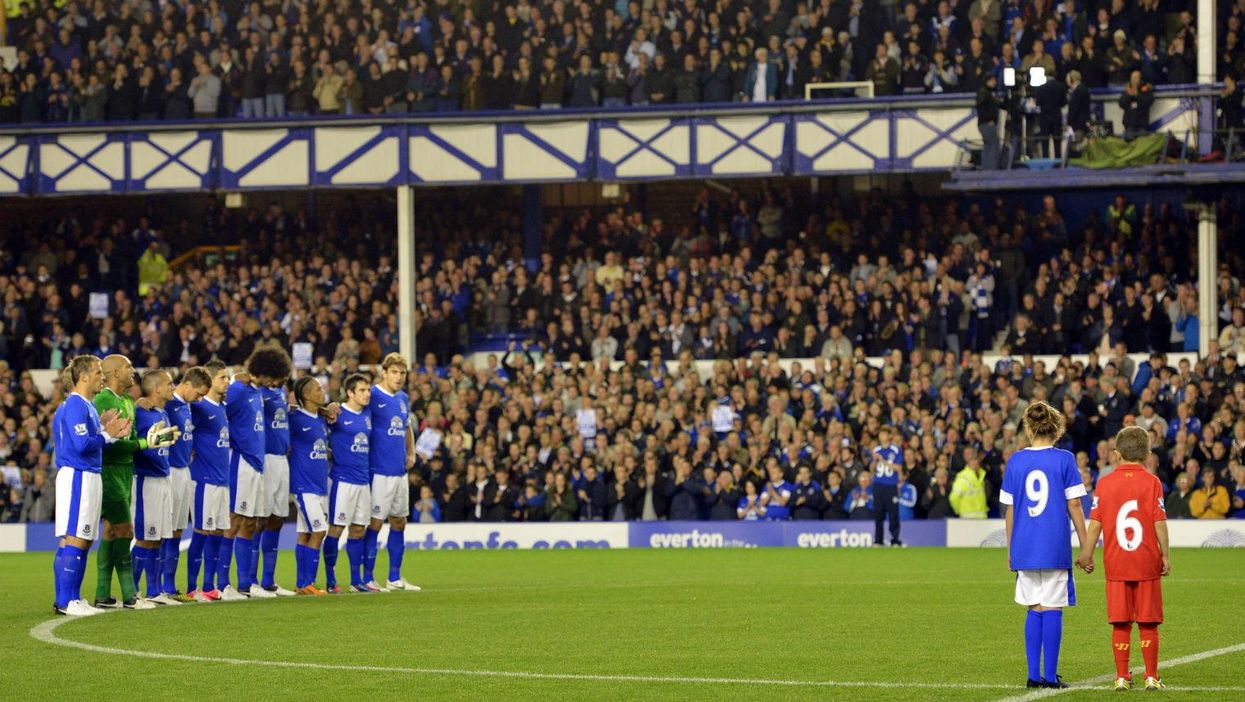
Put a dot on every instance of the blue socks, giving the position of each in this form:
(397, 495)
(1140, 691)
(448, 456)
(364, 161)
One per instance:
(354, 553)
(330, 561)
(69, 568)
(243, 552)
(396, 547)
(253, 562)
(308, 560)
(223, 560)
(147, 560)
(1033, 644)
(370, 539)
(211, 557)
(268, 545)
(170, 552)
(194, 560)
(1052, 636)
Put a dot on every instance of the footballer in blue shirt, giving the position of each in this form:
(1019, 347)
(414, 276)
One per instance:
(350, 499)
(209, 471)
(80, 433)
(1042, 489)
(271, 375)
(151, 500)
(194, 384)
(887, 460)
(391, 455)
(309, 479)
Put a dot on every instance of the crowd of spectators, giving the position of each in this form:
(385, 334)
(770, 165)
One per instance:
(82, 61)
(618, 309)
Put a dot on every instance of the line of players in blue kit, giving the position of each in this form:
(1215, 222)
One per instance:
(239, 453)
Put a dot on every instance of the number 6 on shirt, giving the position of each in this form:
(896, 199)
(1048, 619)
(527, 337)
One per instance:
(1126, 524)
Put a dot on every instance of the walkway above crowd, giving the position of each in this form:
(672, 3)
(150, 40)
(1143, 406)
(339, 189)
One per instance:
(127, 60)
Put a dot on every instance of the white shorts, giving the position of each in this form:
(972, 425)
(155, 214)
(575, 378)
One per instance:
(390, 496)
(311, 512)
(348, 503)
(211, 507)
(246, 488)
(151, 503)
(277, 485)
(1048, 587)
(183, 496)
(78, 497)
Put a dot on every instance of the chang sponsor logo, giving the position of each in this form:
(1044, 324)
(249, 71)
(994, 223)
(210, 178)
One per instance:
(397, 427)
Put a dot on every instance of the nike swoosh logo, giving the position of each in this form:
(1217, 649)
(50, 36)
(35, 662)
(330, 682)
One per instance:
(382, 405)
(306, 428)
(211, 416)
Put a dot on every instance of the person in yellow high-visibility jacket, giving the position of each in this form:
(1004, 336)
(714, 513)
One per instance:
(968, 493)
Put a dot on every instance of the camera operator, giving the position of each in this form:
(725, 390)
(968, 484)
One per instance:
(988, 104)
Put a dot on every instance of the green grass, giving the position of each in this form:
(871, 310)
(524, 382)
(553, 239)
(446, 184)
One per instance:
(905, 616)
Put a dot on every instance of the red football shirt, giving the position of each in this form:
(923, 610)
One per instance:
(1127, 503)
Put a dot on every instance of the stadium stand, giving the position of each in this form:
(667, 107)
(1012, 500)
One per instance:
(124, 61)
(659, 327)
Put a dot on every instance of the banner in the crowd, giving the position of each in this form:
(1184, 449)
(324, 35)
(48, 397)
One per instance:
(1182, 533)
(973, 533)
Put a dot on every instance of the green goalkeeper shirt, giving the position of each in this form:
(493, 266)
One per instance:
(120, 453)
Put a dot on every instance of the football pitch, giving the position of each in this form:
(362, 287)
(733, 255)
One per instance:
(767, 624)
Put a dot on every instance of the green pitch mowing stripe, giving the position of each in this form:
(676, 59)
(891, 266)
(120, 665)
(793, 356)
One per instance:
(754, 624)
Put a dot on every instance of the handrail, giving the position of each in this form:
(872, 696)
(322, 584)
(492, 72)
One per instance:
(571, 114)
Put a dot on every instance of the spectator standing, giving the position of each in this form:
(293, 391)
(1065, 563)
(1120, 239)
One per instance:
(328, 91)
(859, 503)
(752, 505)
(1136, 100)
(968, 493)
(1211, 500)
(561, 504)
(761, 79)
(806, 498)
(936, 502)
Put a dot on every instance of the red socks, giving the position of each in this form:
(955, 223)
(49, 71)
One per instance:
(1121, 636)
(1149, 634)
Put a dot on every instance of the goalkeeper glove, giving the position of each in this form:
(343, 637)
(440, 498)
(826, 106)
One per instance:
(161, 436)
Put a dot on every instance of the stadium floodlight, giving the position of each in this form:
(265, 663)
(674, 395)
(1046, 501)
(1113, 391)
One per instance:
(1009, 77)
(1037, 77)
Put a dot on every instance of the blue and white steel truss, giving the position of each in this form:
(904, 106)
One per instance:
(801, 139)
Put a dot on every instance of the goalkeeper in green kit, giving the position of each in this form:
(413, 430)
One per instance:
(118, 479)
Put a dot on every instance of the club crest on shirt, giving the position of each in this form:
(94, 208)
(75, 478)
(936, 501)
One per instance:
(86, 528)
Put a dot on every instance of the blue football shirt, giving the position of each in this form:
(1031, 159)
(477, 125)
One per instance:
(309, 453)
(1037, 484)
(390, 418)
(348, 439)
(210, 464)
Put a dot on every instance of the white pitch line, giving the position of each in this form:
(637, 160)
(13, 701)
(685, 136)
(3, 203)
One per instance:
(1163, 665)
(46, 633)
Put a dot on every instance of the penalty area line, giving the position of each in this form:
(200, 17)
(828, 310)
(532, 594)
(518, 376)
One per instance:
(1090, 683)
(46, 633)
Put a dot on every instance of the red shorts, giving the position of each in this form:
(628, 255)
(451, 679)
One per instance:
(1138, 601)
